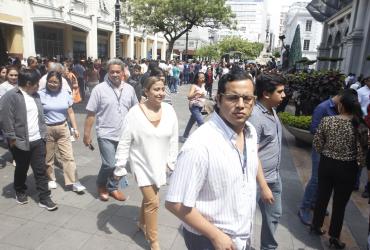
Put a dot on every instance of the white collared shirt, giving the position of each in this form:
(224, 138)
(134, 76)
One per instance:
(208, 176)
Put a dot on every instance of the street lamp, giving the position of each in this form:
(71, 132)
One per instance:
(117, 15)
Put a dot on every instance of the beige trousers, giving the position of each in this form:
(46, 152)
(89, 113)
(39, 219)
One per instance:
(59, 138)
(149, 212)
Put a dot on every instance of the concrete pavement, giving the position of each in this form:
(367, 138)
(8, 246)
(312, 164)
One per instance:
(84, 222)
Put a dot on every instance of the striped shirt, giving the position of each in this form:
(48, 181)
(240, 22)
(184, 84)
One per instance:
(209, 177)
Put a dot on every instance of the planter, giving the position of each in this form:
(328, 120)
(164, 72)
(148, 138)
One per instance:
(302, 136)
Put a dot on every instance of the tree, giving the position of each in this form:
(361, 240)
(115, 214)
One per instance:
(295, 49)
(174, 18)
(209, 51)
(249, 49)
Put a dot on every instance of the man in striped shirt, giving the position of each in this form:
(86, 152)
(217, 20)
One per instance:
(213, 187)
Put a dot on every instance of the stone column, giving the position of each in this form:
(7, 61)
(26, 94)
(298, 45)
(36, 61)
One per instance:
(28, 40)
(130, 44)
(68, 42)
(144, 43)
(163, 50)
(92, 39)
(155, 47)
(112, 44)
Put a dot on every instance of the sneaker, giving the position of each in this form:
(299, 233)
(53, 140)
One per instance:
(52, 185)
(305, 216)
(14, 164)
(48, 204)
(78, 187)
(21, 197)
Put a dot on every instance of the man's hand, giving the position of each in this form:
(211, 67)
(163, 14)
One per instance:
(12, 143)
(223, 242)
(87, 140)
(266, 195)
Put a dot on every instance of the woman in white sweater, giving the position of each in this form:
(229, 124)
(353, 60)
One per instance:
(149, 142)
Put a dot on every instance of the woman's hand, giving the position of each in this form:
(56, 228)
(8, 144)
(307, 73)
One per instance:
(76, 134)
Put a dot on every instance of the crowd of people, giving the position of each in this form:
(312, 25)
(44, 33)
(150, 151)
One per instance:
(224, 169)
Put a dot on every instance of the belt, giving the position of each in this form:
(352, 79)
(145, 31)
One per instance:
(56, 124)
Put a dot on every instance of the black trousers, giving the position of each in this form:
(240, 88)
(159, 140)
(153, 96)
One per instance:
(36, 158)
(340, 177)
(197, 242)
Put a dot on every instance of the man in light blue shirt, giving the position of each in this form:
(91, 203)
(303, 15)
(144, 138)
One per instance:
(109, 103)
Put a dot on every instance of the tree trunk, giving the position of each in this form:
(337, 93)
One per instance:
(169, 49)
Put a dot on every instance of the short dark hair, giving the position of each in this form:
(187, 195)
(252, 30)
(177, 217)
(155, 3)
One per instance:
(268, 82)
(156, 71)
(230, 77)
(58, 75)
(137, 67)
(28, 76)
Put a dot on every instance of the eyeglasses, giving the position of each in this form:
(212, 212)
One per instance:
(234, 98)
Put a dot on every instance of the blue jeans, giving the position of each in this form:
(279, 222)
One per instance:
(107, 150)
(310, 193)
(186, 77)
(196, 116)
(175, 84)
(270, 216)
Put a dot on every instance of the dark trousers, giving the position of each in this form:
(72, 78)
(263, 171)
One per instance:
(337, 176)
(197, 242)
(81, 86)
(36, 158)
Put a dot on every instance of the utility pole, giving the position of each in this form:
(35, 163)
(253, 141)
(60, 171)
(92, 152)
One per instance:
(186, 46)
(117, 15)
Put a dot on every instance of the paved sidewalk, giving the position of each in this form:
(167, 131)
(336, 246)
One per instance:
(84, 222)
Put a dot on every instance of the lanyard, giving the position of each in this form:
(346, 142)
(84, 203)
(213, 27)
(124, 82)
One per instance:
(118, 97)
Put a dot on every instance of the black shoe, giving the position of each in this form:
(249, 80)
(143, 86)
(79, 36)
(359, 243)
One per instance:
(317, 231)
(21, 197)
(48, 204)
(336, 243)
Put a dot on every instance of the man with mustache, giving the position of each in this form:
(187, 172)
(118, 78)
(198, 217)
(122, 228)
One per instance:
(109, 103)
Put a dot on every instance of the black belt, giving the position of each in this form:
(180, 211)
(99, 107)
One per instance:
(56, 124)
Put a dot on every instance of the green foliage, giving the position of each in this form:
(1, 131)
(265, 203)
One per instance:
(174, 18)
(295, 53)
(368, 58)
(249, 49)
(276, 54)
(302, 122)
(209, 51)
(313, 88)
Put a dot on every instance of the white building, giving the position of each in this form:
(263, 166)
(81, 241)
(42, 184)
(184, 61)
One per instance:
(71, 28)
(346, 35)
(311, 30)
(197, 37)
(251, 17)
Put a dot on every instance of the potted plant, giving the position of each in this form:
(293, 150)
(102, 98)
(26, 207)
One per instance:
(307, 90)
(298, 126)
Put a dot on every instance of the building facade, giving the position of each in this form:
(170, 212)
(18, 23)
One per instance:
(251, 18)
(346, 36)
(71, 29)
(197, 37)
(311, 30)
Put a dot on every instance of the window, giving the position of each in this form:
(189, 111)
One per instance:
(306, 45)
(308, 25)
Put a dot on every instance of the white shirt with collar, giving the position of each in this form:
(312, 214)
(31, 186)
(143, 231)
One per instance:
(209, 177)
